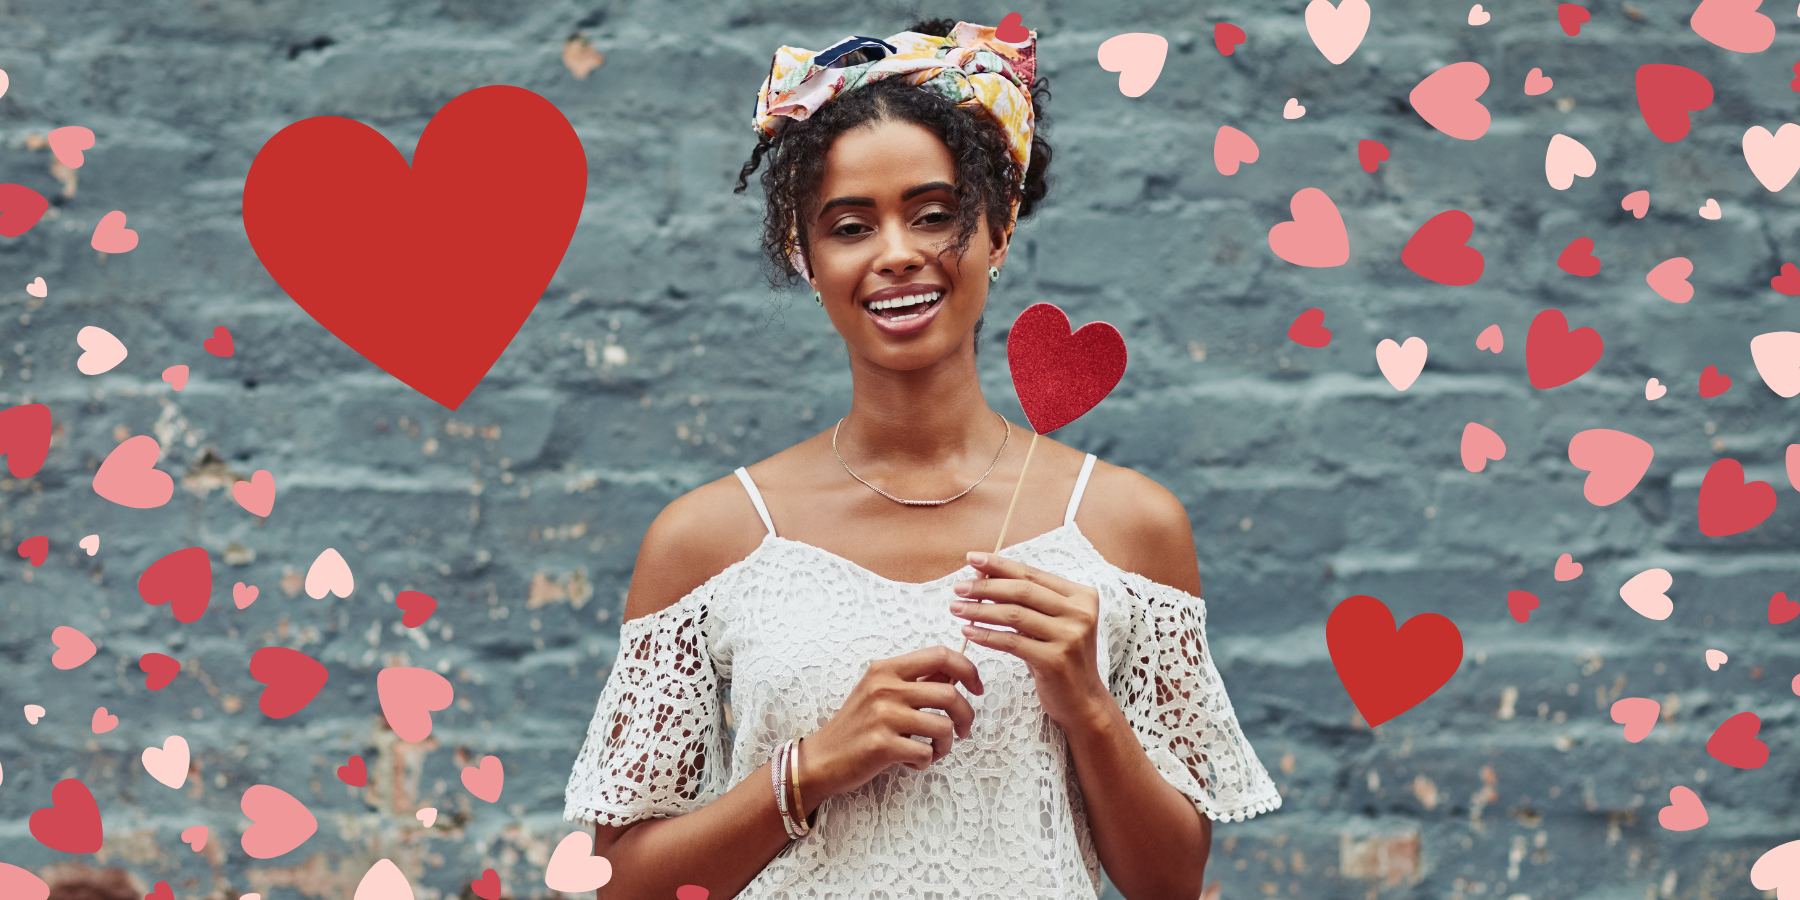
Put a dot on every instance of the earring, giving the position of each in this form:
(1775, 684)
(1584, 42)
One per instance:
(818, 299)
(993, 274)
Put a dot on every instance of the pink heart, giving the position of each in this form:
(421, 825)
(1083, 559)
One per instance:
(1567, 569)
(278, 822)
(1637, 202)
(90, 543)
(1647, 594)
(1316, 236)
(103, 721)
(195, 837)
(1479, 445)
(1685, 812)
(1401, 364)
(168, 764)
(102, 351)
(1710, 209)
(1734, 25)
(486, 780)
(1337, 30)
(1715, 658)
(383, 881)
(426, 816)
(111, 235)
(1669, 279)
(1793, 466)
(1638, 715)
(1654, 389)
(1138, 57)
(68, 142)
(1491, 339)
(243, 595)
(1777, 358)
(1449, 100)
(129, 476)
(1231, 149)
(1614, 460)
(33, 713)
(574, 868)
(329, 574)
(21, 884)
(1564, 159)
(176, 376)
(37, 288)
(1536, 82)
(1773, 158)
(409, 695)
(256, 495)
(1778, 870)
(72, 647)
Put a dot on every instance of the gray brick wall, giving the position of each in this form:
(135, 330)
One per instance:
(1307, 477)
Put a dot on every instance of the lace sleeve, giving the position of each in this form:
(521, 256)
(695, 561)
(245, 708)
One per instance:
(656, 745)
(1165, 682)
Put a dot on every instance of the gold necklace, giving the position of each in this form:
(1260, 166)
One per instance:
(984, 475)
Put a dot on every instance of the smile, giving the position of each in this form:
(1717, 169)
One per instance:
(904, 315)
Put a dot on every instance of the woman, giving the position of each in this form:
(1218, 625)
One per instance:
(1086, 725)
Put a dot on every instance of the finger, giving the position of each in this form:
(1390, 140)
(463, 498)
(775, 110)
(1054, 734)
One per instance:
(1020, 618)
(998, 566)
(1025, 593)
(1019, 645)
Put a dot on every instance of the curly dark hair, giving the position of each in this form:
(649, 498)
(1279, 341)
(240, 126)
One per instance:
(987, 176)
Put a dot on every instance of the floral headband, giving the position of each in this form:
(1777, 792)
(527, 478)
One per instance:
(972, 67)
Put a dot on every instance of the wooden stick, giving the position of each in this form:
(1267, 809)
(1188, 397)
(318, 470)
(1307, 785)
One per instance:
(1001, 540)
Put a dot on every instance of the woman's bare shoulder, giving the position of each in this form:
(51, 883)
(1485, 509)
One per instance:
(695, 537)
(1140, 526)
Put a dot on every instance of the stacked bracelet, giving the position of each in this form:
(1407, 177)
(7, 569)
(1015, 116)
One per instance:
(784, 767)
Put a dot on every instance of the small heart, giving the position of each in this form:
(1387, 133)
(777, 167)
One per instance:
(487, 887)
(195, 837)
(329, 574)
(1227, 37)
(1233, 148)
(35, 549)
(1401, 364)
(1638, 715)
(1578, 258)
(416, 607)
(1685, 812)
(220, 343)
(1565, 159)
(279, 822)
(37, 288)
(161, 891)
(21, 208)
(1370, 154)
(1778, 869)
(1777, 358)
(1669, 279)
(1520, 604)
(383, 881)
(573, 866)
(103, 351)
(408, 696)
(1645, 594)
(1293, 109)
(1713, 382)
(426, 816)
(1571, 18)
(1536, 82)
(90, 543)
(1735, 743)
(168, 764)
(111, 235)
(1567, 569)
(103, 721)
(1315, 237)
(256, 496)
(68, 143)
(176, 376)
(1715, 659)
(1308, 329)
(242, 595)
(73, 648)
(1490, 339)
(1337, 29)
(1138, 57)
(354, 772)
(1734, 25)
(1710, 210)
(159, 669)
(129, 477)
(1478, 16)
(1782, 610)
(1787, 280)
(1654, 389)
(33, 713)
(486, 779)
(291, 680)
(1480, 444)
(1614, 460)
(1637, 202)
(1449, 100)
(1012, 29)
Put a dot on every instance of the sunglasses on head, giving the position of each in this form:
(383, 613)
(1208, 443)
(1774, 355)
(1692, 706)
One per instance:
(839, 55)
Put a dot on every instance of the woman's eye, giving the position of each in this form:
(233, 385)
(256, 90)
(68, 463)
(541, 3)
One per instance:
(939, 215)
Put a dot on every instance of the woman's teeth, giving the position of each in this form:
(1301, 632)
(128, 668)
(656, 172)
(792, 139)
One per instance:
(922, 302)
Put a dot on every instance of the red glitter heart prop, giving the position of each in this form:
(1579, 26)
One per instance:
(1060, 374)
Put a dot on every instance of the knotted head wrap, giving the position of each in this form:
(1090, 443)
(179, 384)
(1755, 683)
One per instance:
(972, 67)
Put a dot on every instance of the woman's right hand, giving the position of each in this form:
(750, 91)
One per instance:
(870, 732)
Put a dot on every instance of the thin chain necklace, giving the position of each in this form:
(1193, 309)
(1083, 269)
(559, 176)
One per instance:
(984, 475)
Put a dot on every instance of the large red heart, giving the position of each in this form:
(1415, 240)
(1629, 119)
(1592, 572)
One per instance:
(1728, 504)
(1060, 374)
(1388, 671)
(1667, 94)
(183, 580)
(71, 823)
(291, 680)
(20, 209)
(1556, 355)
(427, 271)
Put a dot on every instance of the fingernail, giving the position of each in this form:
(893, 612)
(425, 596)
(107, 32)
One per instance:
(961, 588)
(978, 558)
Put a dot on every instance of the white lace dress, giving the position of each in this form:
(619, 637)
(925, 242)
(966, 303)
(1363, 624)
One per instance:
(786, 632)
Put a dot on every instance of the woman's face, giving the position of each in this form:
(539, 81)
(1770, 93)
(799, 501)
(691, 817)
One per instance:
(885, 218)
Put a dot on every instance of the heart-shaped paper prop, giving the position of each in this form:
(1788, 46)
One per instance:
(1060, 374)
(1388, 671)
(426, 270)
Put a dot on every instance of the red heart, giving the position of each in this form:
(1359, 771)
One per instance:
(25, 438)
(1578, 258)
(1227, 37)
(291, 678)
(1788, 282)
(1713, 382)
(1795, 84)
(429, 270)
(1439, 250)
(1309, 329)
(1554, 355)
(354, 772)
(1730, 506)
(1571, 17)
(71, 823)
(1520, 604)
(20, 209)
(1388, 671)
(162, 891)
(159, 670)
(1734, 742)
(1012, 29)
(35, 549)
(416, 606)
(1371, 154)
(183, 580)
(1059, 374)
(487, 887)
(220, 342)
(1667, 94)
(1782, 610)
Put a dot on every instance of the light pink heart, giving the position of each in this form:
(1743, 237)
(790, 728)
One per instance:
(1293, 109)
(1449, 100)
(21, 884)
(257, 495)
(1614, 460)
(383, 881)
(1316, 236)
(90, 543)
(1773, 158)
(1654, 389)
(1337, 30)
(101, 351)
(1778, 870)
(1710, 210)
(168, 764)
(129, 476)
(242, 595)
(1777, 358)
(279, 822)
(329, 574)
(485, 780)
(1401, 364)
(1138, 57)
(1491, 339)
(1564, 159)
(1233, 148)
(1685, 812)
(1536, 82)
(195, 837)
(111, 235)
(409, 695)
(1647, 594)
(1734, 25)
(1567, 569)
(34, 713)
(1479, 445)
(103, 721)
(1637, 202)
(72, 647)
(176, 376)
(1669, 279)
(37, 288)
(1478, 16)
(68, 144)
(426, 816)
(574, 868)
(1638, 715)
(1715, 658)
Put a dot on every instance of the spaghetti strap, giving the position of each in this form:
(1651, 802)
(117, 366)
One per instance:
(1087, 465)
(743, 475)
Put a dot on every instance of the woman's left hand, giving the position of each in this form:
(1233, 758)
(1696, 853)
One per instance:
(1056, 621)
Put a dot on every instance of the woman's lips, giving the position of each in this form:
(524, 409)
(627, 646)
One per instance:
(907, 326)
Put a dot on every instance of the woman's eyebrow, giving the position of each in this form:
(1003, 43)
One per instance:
(907, 194)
